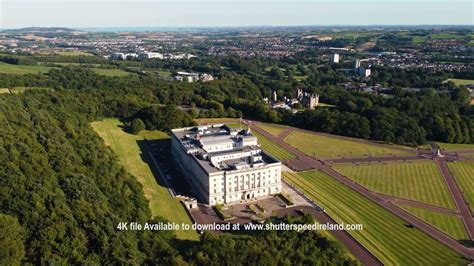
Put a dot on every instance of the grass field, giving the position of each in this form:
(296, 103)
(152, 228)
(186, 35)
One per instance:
(419, 39)
(384, 234)
(421, 181)
(22, 69)
(462, 81)
(39, 69)
(448, 224)
(273, 129)
(74, 53)
(125, 146)
(455, 147)
(203, 121)
(272, 148)
(464, 174)
(110, 72)
(325, 146)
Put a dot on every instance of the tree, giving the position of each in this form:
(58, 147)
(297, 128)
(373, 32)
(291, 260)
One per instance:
(136, 126)
(12, 249)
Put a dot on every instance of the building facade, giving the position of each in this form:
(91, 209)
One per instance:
(225, 165)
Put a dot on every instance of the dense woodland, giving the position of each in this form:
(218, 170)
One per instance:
(404, 117)
(63, 193)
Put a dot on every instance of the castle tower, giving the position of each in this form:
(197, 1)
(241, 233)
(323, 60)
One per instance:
(357, 64)
(299, 94)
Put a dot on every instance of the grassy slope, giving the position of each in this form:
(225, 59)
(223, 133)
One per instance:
(464, 174)
(325, 147)
(462, 81)
(110, 72)
(275, 130)
(272, 148)
(125, 146)
(38, 69)
(203, 121)
(421, 181)
(449, 224)
(455, 147)
(384, 234)
(22, 69)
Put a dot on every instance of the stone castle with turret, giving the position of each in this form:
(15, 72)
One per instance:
(308, 100)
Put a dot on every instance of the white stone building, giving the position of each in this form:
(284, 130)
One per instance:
(225, 165)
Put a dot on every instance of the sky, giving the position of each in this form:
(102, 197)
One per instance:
(223, 13)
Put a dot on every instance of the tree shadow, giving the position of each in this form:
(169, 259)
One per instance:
(157, 154)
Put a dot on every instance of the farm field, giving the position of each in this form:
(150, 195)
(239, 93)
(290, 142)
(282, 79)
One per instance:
(448, 224)
(22, 69)
(326, 146)
(463, 172)
(110, 72)
(273, 148)
(74, 53)
(125, 146)
(384, 234)
(462, 81)
(275, 130)
(420, 181)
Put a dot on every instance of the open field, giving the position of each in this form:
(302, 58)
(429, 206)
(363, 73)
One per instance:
(22, 69)
(74, 53)
(448, 224)
(273, 148)
(203, 121)
(455, 147)
(110, 72)
(326, 146)
(273, 129)
(385, 235)
(462, 81)
(125, 146)
(39, 69)
(421, 181)
(463, 172)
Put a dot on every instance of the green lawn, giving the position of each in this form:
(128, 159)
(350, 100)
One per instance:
(384, 234)
(421, 181)
(455, 147)
(449, 224)
(462, 81)
(125, 146)
(464, 174)
(326, 146)
(38, 69)
(203, 121)
(419, 39)
(22, 69)
(273, 148)
(110, 72)
(74, 53)
(273, 129)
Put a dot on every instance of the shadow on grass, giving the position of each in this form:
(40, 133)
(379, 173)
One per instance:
(169, 176)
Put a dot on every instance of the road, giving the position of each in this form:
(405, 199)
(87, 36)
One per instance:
(461, 203)
(305, 162)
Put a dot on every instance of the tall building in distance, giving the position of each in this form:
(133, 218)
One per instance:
(225, 165)
(335, 58)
